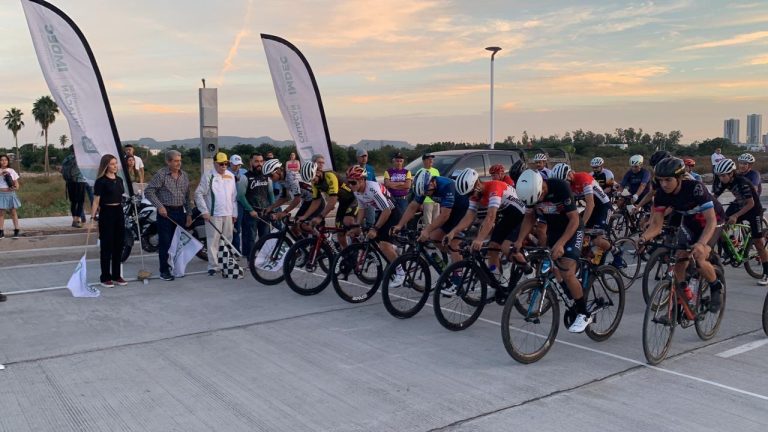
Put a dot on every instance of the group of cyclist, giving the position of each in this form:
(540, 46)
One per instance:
(536, 205)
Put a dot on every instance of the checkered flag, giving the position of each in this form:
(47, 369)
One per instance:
(230, 268)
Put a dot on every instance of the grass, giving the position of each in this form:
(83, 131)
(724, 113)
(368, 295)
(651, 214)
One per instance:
(43, 196)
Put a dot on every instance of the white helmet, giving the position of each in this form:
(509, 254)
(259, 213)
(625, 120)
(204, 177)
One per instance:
(529, 187)
(270, 166)
(746, 157)
(636, 160)
(540, 157)
(597, 162)
(420, 184)
(308, 171)
(725, 166)
(466, 180)
(560, 171)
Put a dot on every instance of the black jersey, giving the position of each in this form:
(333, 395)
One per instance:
(556, 204)
(742, 190)
(692, 200)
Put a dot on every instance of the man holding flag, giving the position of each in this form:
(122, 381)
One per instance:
(216, 198)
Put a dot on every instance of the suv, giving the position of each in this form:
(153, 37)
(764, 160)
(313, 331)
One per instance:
(448, 162)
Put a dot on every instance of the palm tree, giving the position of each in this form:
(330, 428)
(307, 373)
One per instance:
(63, 141)
(44, 110)
(14, 123)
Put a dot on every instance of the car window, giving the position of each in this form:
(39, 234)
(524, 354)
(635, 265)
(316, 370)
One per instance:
(476, 162)
(500, 158)
(441, 163)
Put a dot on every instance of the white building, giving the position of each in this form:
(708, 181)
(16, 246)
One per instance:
(754, 128)
(765, 140)
(731, 130)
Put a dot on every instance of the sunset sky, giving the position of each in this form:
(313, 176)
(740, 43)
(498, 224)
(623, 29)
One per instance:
(415, 70)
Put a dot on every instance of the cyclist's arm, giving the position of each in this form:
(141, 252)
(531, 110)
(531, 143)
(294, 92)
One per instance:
(312, 208)
(641, 189)
(646, 199)
(709, 229)
(440, 220)
(294, 203)
(590, 207)
(329, 205)
(657, 221)
(411, 210)
(570, 230)
(465, 222)
(383, 217)
(528, 221)
(749, 204)
(488, 223)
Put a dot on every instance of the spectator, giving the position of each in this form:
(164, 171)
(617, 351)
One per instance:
(362, 160)
(269, 156)
(129, 151)
(215, 197)
(258, 193)
(76, 187)
(429, 209)
(716, 157)
(168, 191)
(133, 173)
(398, 182)
(108, 205)
(292, 169)
(235, 167)
(9, 202)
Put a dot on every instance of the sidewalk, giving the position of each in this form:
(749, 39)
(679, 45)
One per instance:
(31, 227)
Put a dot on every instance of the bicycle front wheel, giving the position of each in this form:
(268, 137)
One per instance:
(765, 315)
(659, 322)
(407, 299)
(357, 273)
(752, 263)
(459, 295)
(305, 265)
(530, 321)
(708, 323)
(267, 256)
(654, 271)
(632, 260)
(605, 302)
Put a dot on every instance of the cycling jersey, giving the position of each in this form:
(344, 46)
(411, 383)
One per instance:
(754, 177)
(554, 209)
(287, 189)
(603, 177)
(742, 190)
(583, 184)
(445, 194)
(694, 199)
(330, 185)
(375, 196)
(496, 194)
(545, 173)
(632, 180)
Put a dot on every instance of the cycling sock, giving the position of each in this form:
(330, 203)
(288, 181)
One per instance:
(581, 306)
(715, 286)
(765, 268)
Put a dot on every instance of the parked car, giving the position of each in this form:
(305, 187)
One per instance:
(450, 161)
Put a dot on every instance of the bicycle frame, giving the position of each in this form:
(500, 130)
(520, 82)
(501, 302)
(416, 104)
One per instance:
(739, 254)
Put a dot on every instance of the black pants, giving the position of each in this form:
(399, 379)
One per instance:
(165, 231)
(112, 236)
(76, 194)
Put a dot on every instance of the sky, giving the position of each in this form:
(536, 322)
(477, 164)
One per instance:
(414, 70)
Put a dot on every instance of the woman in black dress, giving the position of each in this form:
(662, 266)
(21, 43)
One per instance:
(107, 203)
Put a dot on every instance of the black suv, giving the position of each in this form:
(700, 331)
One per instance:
(448, 162)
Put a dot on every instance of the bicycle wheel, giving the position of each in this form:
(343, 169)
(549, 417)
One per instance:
(409, 298)
(357, 273)
(654, 270)
(605, 302)
(304, 264)
(617, 226)
(457, 311)
(529, 335)
(267, 256)
(765, 315)
(659, 322)
(752, 263)
(632, 259)
(707, 323)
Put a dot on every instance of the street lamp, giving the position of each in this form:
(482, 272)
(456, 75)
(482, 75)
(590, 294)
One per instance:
(493, 50)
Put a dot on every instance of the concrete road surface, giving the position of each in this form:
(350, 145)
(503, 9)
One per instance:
(206, 354)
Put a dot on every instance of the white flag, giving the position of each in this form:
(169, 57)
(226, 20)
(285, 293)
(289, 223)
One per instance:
(183, 249)
(78, 283)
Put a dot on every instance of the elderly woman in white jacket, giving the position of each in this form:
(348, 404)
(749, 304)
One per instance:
(215, 197)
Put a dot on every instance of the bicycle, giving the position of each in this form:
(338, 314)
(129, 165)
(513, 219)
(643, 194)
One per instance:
(623, 223)
(765, 315)
(668, 308)
(524, 322)
(313, 256)
(737, 247)
(363, 260)
(268, 253)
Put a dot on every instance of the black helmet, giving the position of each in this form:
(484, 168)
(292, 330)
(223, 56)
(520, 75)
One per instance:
(670, 167)
(658, 156)
(516, 169)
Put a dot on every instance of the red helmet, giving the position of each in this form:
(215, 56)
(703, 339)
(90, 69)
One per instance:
(497, 169)
(356, 172)
(689, 162)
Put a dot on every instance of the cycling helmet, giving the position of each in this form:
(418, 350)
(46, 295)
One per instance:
(540, 157)
(497, 169)
(671, 167)
(725, 166)
(421, 183)
(356, 172)
(466, 180)
(597, 162)
(636, 160)
(516, 169)
(659, 156)
(689, 162)
(308, 171)
(746, 157)
(529, 187)
(560, 171)
(270, 166)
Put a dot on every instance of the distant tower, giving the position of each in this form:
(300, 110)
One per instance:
(731, 130)
(754, 128)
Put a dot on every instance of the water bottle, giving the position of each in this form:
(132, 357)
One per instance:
(694, 288)
(438, 260)
(546, 265)
(597, 255)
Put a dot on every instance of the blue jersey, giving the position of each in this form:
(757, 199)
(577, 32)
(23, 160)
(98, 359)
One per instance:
(754, 177)
(545, 173)
(445, 194)
(632, 180)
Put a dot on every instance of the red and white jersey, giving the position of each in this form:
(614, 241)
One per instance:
(496, 194)
(375, 195)
(583, 184)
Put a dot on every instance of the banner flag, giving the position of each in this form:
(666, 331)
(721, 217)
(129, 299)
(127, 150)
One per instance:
(299, 99)
(75, 82)
(183, 249)
(78, 284)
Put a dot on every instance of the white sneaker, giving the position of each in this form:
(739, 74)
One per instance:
(448, 292)
(763, 281)
(397, 280)
(580, 323)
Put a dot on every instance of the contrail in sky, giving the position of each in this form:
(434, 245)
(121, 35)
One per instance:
(244, 31)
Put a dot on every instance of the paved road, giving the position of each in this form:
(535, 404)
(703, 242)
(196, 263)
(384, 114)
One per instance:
(202, 354)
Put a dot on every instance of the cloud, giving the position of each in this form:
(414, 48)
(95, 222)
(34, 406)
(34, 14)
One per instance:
(407, 98)
(736, 40)
(244, 31)
(509, 106)
(160, 109)
(759, 60)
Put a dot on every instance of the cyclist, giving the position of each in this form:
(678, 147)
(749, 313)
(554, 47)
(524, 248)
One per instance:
(656, 157)
(309, 209)
(603, 175)
(553, 200)
(498, 172)
(289, 191)
(746, 161)
(540, 162)
(746, 206)
(698, 228)
(690, 164)
(370, 194)
(453, 206)
(636, 179)
(598, 204)
(515, 170)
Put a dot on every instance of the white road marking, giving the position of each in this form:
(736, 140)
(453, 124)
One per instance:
(743, 348)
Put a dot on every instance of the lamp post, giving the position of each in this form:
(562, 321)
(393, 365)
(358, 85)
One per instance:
(493, 50)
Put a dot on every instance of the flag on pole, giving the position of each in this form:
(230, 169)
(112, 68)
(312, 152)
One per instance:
(78, 283)
(183, 249)
(227, 259)
(299, 99)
